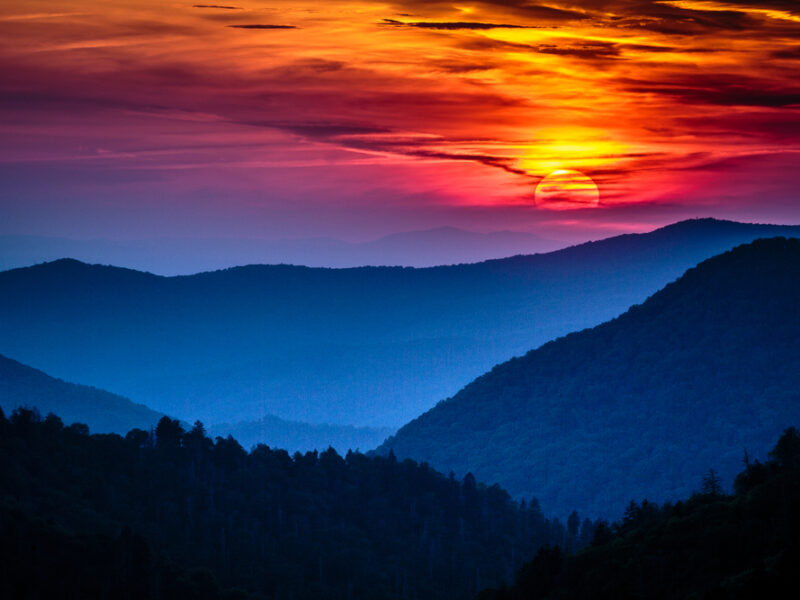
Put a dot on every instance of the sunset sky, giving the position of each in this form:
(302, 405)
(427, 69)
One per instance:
(357, 119)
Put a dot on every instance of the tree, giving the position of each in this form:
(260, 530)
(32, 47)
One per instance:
(53, 423)
(573, 524)
(24, 419)
(587, 532)
(79, 428)
(602, 534)
(196, 441)
(139, 438)
(631, 515)
(787, 451)
(712, 485)
(168, 434)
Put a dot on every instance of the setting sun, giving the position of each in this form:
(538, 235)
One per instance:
(566, 189)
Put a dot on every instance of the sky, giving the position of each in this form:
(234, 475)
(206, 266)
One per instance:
(291, 119)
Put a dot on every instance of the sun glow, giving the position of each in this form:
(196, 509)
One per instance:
(579, 147)
(566, 189)
(401, 99)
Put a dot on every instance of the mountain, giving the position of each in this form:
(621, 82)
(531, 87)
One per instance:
(100, 410)
(181, 256)
(105, 412)
(294, 436)
(99, 516)
(370, 346)
(711, 545)
(641, 406)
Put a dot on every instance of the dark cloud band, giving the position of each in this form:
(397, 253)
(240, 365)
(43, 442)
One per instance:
(452, 26)
(262, 26)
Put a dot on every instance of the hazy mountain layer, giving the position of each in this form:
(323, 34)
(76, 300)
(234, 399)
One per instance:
(181, 256)
(641, 406)
(105, 412)
(365, 346)
(100, 410)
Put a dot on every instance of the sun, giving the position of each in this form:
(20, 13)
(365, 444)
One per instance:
(567, 189)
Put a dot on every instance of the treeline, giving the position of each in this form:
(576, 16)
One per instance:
(713, 546)
(174, 514)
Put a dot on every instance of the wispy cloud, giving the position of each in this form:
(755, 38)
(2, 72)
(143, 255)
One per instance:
(217, 6)
(453, 26)
(468, 104)
(262, 26)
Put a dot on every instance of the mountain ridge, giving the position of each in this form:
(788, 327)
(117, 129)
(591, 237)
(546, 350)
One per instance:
(555, 422)
(181, 256)
(320, 345)
(686, 226)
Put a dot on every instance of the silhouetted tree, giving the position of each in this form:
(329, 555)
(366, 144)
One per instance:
(573, 523)
(787, 451)
(81, 429)
(139, 438)
(168, 434)
(53, 423)
(24, 420)
(602, 534)
(712, 484)
(196, 441)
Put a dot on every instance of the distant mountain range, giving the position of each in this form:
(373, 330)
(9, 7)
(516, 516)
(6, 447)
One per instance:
(703, 372)
(102, 411)
(372, 346)
(183, 256)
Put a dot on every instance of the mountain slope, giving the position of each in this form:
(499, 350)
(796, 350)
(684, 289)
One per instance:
(102, 411)
(641, 406)
(366, 346)
(736, 547)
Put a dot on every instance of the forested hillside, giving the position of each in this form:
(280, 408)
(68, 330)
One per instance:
(177, 515)
(641, 406)
(742, 546)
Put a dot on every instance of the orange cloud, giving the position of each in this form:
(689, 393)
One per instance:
(628, 92)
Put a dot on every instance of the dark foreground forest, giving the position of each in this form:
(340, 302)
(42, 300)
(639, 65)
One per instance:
(174, 514)
(712, 546)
